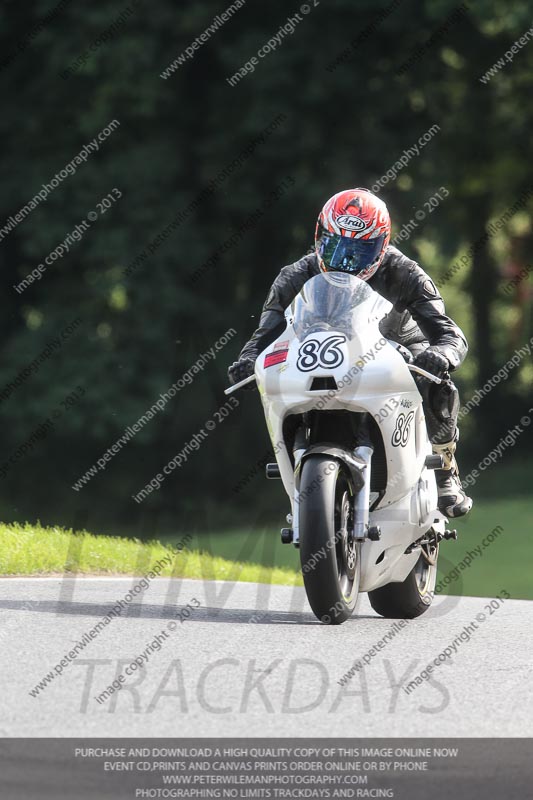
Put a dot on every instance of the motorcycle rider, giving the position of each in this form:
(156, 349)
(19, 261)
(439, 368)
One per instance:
(352, 235)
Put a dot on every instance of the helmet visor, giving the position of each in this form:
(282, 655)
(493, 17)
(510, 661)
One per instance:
(345, 254)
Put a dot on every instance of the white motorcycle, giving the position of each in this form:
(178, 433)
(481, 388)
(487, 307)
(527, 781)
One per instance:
(347, 425)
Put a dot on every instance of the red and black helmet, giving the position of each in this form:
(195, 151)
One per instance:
(352, 233)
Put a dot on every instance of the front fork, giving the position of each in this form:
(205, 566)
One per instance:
(362, 456)
(300, 446)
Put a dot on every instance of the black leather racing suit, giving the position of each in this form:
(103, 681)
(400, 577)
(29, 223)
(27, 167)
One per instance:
(418, 319)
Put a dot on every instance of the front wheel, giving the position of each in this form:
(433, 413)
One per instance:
(329, 555)
(413, 596)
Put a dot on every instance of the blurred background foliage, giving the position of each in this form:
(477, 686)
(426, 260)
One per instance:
(343, 127)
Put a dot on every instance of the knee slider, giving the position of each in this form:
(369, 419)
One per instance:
(444, 400)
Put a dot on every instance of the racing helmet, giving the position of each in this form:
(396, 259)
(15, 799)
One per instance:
(352, 233)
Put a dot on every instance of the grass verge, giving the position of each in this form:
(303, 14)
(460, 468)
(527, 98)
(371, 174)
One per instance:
(503, 563)
(257, 555)
(34, 550)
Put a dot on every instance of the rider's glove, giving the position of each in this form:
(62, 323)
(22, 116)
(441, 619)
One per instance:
(433, 361)
(240, 370)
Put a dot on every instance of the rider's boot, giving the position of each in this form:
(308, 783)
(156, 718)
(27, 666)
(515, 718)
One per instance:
(453, 502)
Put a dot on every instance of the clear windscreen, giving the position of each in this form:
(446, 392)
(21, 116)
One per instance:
(338, 302)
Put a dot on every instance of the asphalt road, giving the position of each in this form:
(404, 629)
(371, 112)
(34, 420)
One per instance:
(251, 660)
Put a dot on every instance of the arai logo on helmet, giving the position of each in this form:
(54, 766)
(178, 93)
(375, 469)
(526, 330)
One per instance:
(350, 223)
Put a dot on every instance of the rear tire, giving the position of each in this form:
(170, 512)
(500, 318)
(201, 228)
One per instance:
(414, 595)
(330, 557)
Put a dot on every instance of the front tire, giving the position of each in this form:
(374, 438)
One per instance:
(412, 597)
(329, 556)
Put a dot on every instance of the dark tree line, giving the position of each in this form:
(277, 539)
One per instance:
(144, 321)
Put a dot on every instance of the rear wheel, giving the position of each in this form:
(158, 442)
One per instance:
(413, 596)
(329, 555)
